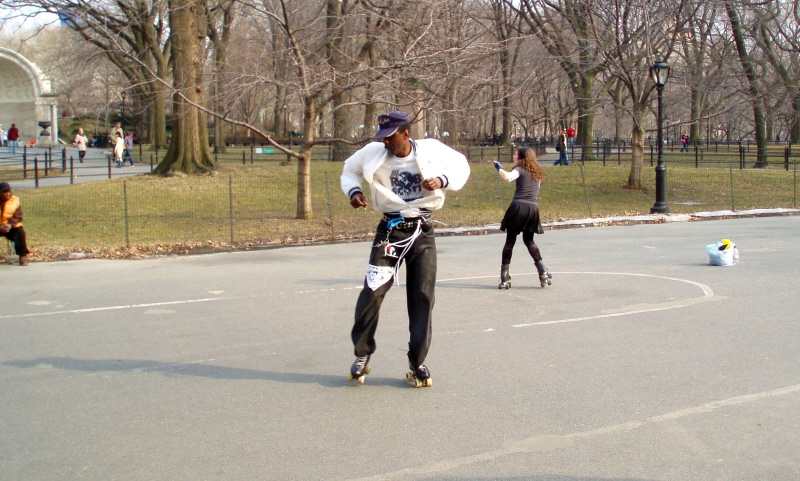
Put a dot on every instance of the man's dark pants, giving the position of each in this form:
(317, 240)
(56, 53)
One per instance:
(420, 264)
(17, 236)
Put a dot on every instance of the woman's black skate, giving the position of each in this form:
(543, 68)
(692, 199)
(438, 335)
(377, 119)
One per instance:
(544, 274)
(419, 377)
(359, 369)
(505, 277)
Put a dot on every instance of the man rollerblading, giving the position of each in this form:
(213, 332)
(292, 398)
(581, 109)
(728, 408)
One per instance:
(408, 181)
(505, 277)
(544, 274)
(359, 369)
(420, 376)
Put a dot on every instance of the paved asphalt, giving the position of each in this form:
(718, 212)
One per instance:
(640, 362)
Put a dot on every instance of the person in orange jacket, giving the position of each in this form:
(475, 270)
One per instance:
(11, 222)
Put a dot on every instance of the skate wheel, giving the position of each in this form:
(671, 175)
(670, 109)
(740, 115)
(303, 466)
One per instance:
(409, 376)
(349, 377)
(361, 380)
(428, 382)
(367, 370)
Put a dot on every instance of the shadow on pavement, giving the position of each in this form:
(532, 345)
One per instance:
(196, 369)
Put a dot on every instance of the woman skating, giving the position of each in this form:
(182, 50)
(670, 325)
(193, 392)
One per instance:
(522, 216)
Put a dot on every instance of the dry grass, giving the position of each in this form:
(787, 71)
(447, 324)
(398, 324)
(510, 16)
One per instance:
(248, 205)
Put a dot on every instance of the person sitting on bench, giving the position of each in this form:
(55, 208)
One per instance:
(11, 222)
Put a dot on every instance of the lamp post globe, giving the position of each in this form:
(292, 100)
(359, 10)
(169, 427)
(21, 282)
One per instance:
(659, 73)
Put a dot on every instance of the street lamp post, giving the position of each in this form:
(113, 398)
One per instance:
(659, 72)
(122, 113)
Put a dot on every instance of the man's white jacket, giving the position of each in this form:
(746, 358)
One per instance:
(434, 160)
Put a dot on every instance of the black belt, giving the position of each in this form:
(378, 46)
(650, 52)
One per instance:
(406, 223)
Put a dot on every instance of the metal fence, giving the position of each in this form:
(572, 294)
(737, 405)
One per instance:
(253, 202)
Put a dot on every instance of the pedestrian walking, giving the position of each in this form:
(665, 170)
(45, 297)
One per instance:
(119, 148)
(571, 136)
(13, 139)
(561, 147)
(408, 180)
(117, 130)
(522, 216)
(685, 142)
(128, 141)
(80, 141)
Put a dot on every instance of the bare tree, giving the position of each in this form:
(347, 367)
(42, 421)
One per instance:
(630, 35)
(221, 17)
(777, 33)
(749, 68)
(324, 72)
(188, 150)
(566, 29)
(133, 37)
(695, 46)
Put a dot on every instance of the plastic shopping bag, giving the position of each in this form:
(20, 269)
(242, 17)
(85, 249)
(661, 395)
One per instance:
(722, 253)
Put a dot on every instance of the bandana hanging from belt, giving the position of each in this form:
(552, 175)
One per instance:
(380, 275)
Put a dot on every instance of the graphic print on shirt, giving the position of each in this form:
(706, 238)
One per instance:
(407, 185)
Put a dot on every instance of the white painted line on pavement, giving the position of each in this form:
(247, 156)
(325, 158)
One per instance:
(708, 295)
(111, 308)
(540, 444)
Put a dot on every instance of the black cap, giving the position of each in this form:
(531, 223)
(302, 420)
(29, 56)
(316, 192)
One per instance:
(4, 187)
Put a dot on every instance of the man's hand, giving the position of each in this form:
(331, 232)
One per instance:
(358, 200)
(432, 184)
(5, 228)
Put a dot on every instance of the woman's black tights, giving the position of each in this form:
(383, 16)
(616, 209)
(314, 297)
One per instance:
(527, 239)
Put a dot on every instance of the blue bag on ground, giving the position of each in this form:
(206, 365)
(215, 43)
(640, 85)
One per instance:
(722, 253)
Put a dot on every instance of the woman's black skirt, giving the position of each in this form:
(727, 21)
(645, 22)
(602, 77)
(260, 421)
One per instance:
(522, 217)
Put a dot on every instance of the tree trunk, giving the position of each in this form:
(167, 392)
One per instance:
(221, 38)
(616, 96)
(159, 120)
(637, 156)
(188, 151)
(159, 125)
(752, 79)
(341, 126)
(795, 126)
(370, 112)
(694, 113)
(219, 125)
(341, 112)
(304, 208)
(585, 103)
